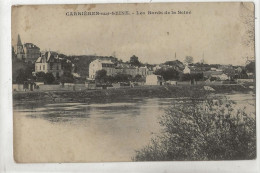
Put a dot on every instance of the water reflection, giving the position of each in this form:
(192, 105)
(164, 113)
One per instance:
(62, 112)
(107, 131)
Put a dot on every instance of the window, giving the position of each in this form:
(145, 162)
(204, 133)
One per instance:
(43, 67)
(57, 67)
(40, 67)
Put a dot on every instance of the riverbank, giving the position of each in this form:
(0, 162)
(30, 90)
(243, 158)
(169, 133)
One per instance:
(145, 91)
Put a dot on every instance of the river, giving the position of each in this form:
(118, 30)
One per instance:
(97, 132)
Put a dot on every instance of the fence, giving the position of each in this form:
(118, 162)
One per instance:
(47, 87)
(65, 87)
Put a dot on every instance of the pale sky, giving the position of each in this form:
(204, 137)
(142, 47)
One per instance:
(215, 29)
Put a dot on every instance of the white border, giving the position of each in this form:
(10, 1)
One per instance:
(7, 163)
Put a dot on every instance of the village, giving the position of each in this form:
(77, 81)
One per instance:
(36, 70)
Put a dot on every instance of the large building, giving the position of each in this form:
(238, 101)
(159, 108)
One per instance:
(113, 69)
(49, 63)
(97, 65)
(27, 52)
(32, 52)
(154, 80)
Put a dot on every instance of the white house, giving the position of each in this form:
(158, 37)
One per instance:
(97, 65)
(221, 76)
(154, 80)
(48, 63)
(112, 69)
(186, 70)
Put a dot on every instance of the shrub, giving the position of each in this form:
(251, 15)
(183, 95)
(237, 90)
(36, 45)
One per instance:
(206, 129)
(168, 74)
(67, 78)
(49, 78)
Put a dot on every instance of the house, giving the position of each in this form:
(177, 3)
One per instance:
(208, 74)
(27, 52)
(113, 69)
(154, 80)
(98, 64)
(186, 70)
(32, 52)
(221, 77)
(48, 63)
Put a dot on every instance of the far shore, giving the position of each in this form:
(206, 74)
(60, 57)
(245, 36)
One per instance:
(126, 93)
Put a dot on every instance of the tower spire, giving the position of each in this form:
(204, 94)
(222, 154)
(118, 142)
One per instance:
(20, 50)
(202, 60)
(19, 42)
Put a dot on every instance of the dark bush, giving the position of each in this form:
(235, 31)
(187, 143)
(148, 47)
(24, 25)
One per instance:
(168, 74)
(206, 129)
(67, 78)
(49, 78)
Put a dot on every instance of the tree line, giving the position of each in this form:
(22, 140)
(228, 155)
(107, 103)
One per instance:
(102, 77)
(172, 74)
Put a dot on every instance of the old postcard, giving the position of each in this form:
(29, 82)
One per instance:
(134, 82)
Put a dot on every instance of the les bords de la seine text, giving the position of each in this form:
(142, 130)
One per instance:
(97, 13)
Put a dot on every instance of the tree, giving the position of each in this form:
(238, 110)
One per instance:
(49, 78)
(243, 74)
(67, 78)
(185, 77)
(101, 74)
(21, 77)
(66, 66)
(197, 76)
(24, 75)
(213, 79)
(188, 59)
(138, 78)
(251, 67)
(248, 19)
(168, 74)
(134, 61)
(40, 74)
(203, 128)
(122, 78)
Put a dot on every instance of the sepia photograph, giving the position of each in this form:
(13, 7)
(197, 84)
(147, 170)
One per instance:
(133, 82)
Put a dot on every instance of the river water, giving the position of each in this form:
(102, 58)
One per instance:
(97, 132)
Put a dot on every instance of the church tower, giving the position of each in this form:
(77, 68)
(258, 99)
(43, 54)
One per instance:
(20, 50)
